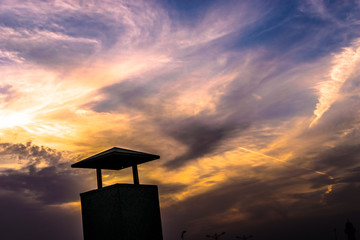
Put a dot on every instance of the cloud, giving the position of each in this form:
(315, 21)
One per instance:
(344, 64)
(10, 57)
(38, 173)
(35, 195)
(44, 47)
(62, 34)
(34, 154)
(200, 136)
(7, 93)
(128, 94)
(236, 207)
(200, 133)
(228, 104)
(36, 220)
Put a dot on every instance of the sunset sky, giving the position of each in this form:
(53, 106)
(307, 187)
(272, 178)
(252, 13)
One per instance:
(253, 106)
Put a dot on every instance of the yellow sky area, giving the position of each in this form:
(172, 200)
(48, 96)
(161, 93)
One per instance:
(46, 104)
(69, 206)
(114, 68)
(77, 131)
(200, 176)
(70, 128)
(294, 138)
(208, 173)
(293, 141)
(290, 146)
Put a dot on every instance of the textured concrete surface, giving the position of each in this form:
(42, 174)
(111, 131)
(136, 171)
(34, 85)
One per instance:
(121, 212)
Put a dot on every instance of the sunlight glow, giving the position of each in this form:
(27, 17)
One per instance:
(10, 119)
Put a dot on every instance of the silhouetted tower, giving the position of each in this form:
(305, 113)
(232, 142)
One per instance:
(350, 230)
(120, 211)
(182, 234)
(335, 234)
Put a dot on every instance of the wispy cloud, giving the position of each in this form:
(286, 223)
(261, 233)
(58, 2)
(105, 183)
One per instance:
(344, 65)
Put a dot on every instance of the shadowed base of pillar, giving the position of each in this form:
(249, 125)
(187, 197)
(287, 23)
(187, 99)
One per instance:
(121, 212)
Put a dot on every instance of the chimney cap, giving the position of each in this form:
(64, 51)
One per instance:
(115, 159)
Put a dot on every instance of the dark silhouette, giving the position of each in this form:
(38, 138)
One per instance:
(120, 211)
(182, 234)
(335, 234)
(350, 230)
(215, 236)
(243, 237)
(115, 159)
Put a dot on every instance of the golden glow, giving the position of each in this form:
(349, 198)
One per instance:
(70, 206)
(10, 119)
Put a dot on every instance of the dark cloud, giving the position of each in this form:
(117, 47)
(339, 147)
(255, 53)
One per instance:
(201, 136)
(283, 101)
(352, 176)
(5, 89)
(341, 156)
(20, 17)
(91, 25)
(47, 184)
(32, 154)
(268, 212)
(59, 53)
(169, 188)
(36, 36)
(67, 34)
(7, 93)
(22, 218)
(34, 197)
(126, 94)
(33, 36)
(44, 172)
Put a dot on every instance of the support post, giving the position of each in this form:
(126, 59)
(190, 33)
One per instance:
(99, 179)
(135, 174)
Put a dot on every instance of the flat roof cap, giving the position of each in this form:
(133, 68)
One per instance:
(115, 159)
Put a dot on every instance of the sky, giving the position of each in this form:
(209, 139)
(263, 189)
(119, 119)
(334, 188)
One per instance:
(253, 106)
